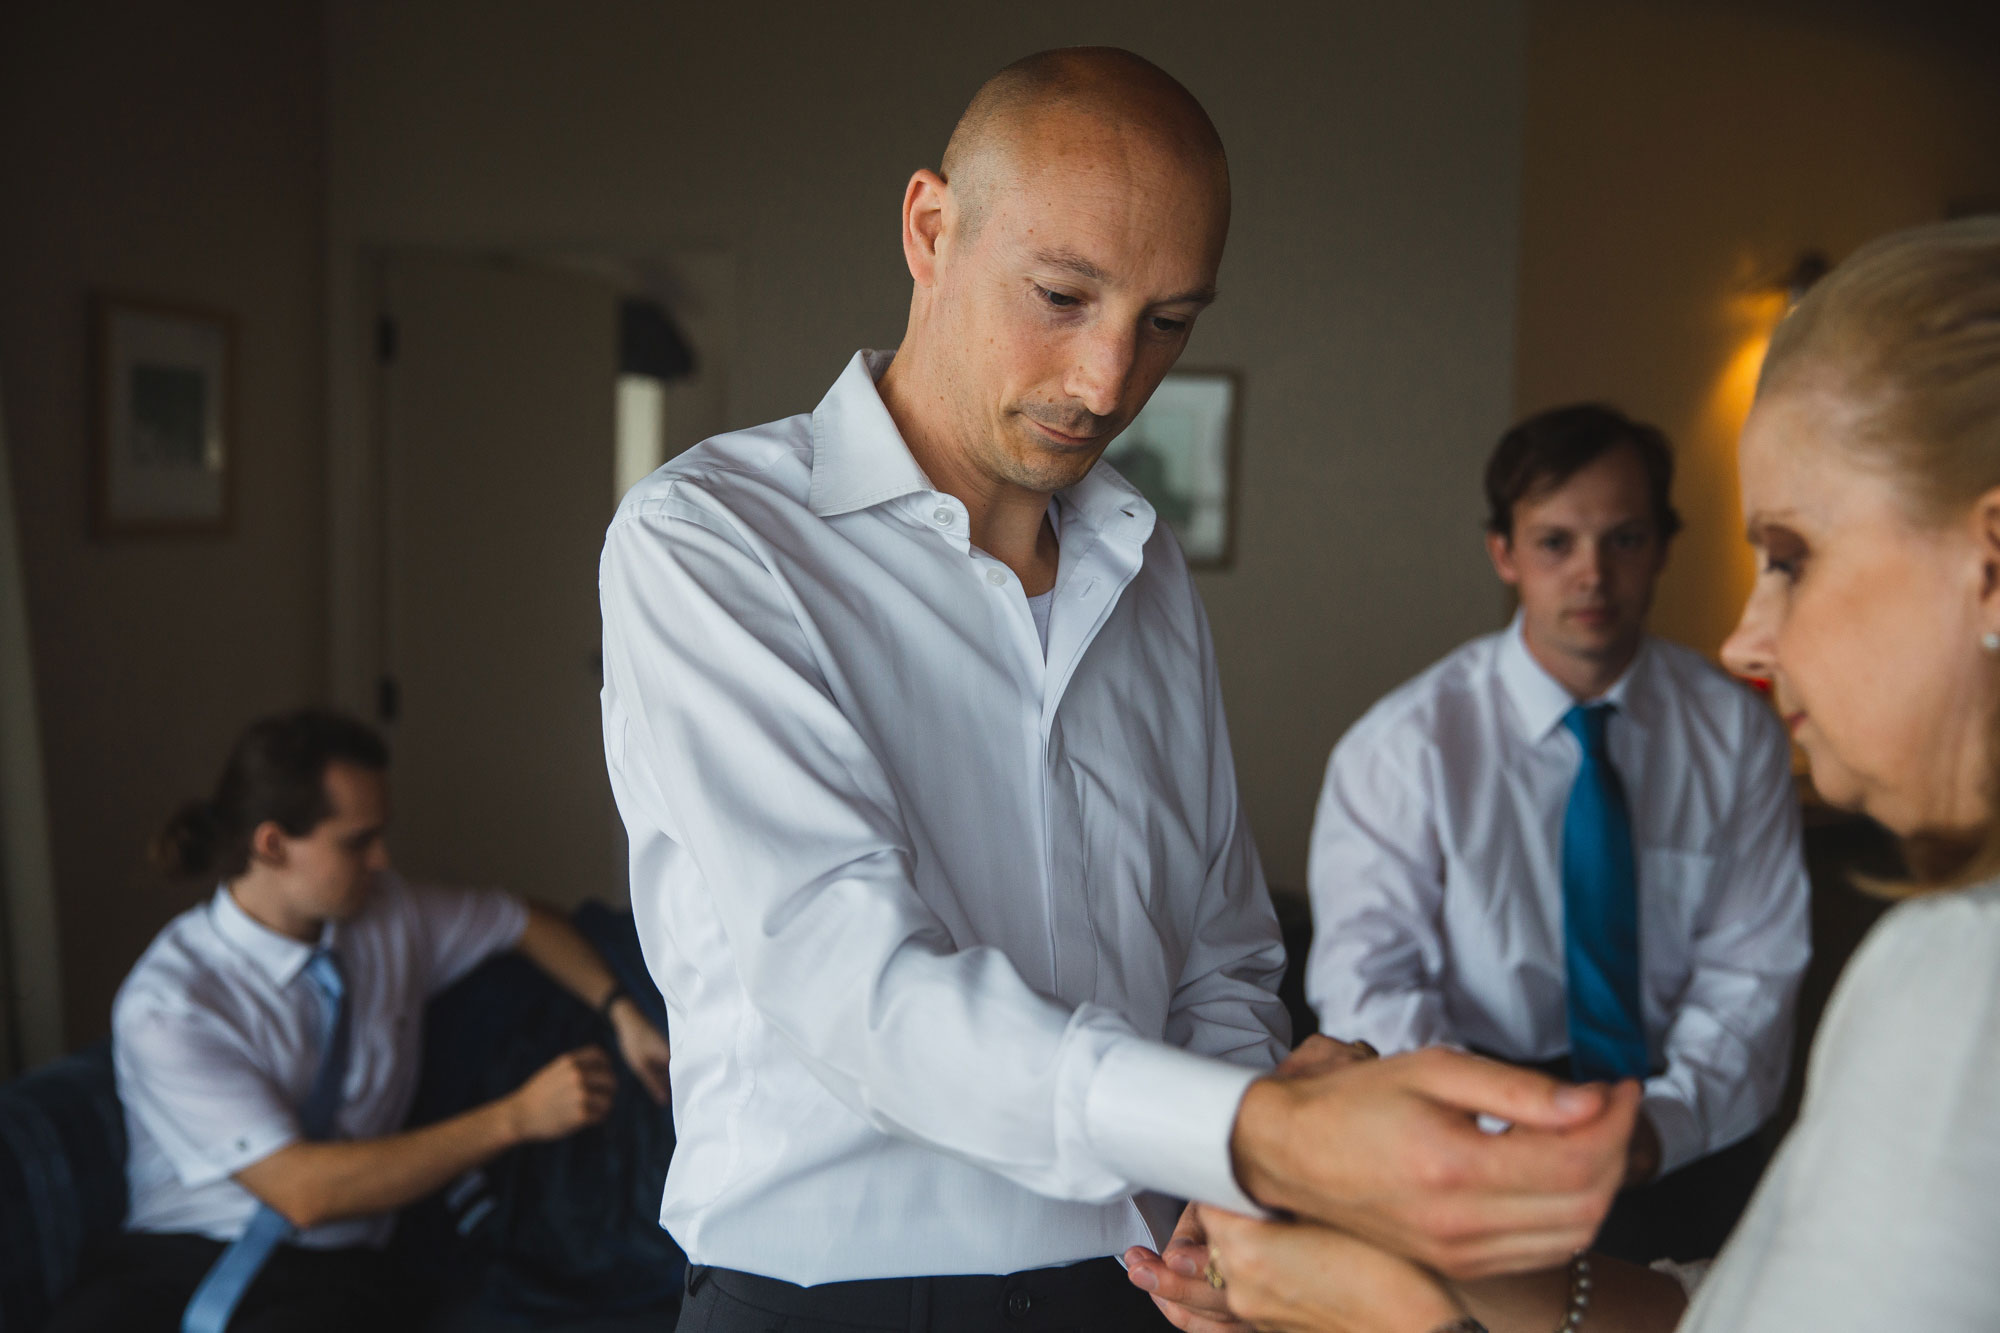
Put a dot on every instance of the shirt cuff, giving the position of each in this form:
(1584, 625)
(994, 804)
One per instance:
(1681, 1138)
(1162, 1119)
(244, 1145)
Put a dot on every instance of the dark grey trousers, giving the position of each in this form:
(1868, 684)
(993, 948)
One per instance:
(143, 1281)
(1093, 1297)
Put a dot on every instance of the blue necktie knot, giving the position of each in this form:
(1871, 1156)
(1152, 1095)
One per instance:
(324, 971)
(1587, 723)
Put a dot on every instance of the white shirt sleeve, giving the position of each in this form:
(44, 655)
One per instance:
(460, 928)
(1728, 1048)
(1227, 1003)
(795, 826)
(1882, 1209)
(1375, 870)
(181, 1074)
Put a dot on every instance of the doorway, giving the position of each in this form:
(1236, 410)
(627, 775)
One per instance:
(498, 397)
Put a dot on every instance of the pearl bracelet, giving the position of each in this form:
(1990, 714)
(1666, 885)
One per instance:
(1579, 1294)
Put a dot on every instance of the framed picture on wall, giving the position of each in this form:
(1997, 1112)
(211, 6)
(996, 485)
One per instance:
(1181, 454)
(164, 384)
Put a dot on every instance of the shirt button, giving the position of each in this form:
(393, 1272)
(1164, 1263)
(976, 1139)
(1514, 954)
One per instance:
(996, 577)
(943, 517)
(1019, 1303)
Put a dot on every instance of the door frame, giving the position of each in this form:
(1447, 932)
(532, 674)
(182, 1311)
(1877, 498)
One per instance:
(697, 282)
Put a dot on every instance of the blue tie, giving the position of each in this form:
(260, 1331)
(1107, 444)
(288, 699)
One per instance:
(1600, 880)
(216, 1299)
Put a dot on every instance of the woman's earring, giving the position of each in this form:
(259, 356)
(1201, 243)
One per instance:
(1990, 641)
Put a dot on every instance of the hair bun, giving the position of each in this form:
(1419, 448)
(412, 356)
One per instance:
(187, 846)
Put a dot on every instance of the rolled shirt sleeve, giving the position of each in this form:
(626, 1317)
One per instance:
(459, 928)
(199, 1094)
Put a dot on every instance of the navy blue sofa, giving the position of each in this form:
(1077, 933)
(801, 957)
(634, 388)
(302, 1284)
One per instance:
(553, 1236)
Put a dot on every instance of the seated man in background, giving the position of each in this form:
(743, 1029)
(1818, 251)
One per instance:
(267, 1047)
(1573, 846)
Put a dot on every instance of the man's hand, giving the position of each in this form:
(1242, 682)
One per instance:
(1320, 1053)
(1177, 1283)
(642, 1047)
(1391, 1151)
(564, 1095)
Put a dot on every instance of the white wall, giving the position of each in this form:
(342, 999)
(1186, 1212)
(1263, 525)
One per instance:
(1368, 293)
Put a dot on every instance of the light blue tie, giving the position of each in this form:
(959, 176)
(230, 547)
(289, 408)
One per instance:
(1600, 880)
(216, 1299)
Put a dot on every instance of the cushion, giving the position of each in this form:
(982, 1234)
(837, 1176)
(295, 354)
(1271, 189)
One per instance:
(62, 1179)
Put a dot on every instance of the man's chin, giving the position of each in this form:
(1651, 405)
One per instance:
(351, 906)
(1039, 465)
(1604, 646)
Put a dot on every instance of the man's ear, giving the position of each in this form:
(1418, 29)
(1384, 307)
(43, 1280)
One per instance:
(925, 202)
(267, 844)
(1500, 550)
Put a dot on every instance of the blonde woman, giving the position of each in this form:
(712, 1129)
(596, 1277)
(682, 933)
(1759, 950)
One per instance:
(1871, 486)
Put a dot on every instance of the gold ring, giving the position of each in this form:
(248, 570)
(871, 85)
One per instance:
(1212, 1273)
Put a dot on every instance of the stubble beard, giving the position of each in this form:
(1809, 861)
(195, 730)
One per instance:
(1021, 457)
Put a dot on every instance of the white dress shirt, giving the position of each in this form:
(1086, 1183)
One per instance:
(1436, 876)
(932, 914)
(216, 1039)
(1882, 1208)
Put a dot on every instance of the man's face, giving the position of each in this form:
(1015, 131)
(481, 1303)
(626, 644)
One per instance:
(1584, 558)
(1071, 297)
(329, 873)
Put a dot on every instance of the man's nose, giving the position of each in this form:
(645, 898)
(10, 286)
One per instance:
(1102, 369)
(1590, 563)
(378, 857)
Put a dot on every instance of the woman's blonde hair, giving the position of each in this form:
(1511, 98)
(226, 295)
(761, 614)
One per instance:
(1906, 333)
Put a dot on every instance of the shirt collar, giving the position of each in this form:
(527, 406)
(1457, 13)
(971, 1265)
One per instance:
(1541, 701)
(860, 460)
(279, 957)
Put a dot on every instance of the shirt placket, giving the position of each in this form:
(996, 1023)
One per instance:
(1094, 571)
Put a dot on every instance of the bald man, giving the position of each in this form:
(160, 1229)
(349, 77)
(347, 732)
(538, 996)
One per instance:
(912, 715)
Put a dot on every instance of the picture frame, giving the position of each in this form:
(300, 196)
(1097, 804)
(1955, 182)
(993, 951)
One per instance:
(163, 398)
(1180, 452)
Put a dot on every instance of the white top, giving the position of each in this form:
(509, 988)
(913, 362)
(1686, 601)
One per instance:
(931, 914)
(1040, 606)
(216, 1038)
(1882, 1207)
(1436, 876)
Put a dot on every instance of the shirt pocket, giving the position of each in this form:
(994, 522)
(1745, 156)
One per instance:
(1673, 886)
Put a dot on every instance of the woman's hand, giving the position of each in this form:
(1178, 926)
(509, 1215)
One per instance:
(1292, 1277)
(1178, 1283)
(1177, 1279)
